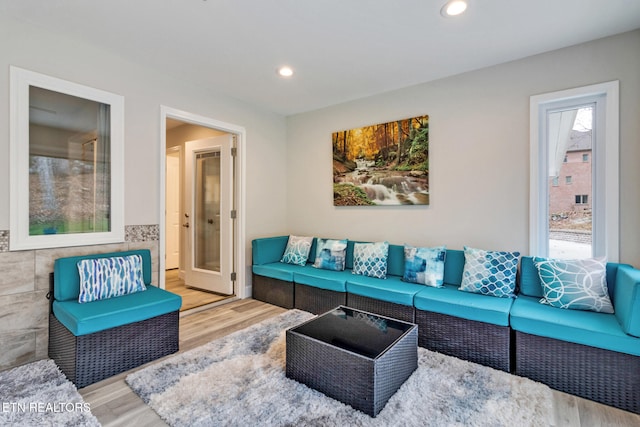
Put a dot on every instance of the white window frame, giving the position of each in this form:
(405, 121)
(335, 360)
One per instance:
(605, 159)
(19, 238)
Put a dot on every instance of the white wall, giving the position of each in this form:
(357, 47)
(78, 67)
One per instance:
(144, 91)
(479, 152)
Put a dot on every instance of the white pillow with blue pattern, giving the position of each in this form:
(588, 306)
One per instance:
(579, 284)
(370, 259)
(424, 265)
(490, 272)
(102, 278)
(331, 254)
(297, 250)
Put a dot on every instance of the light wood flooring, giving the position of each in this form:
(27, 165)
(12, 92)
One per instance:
(114, 404)
(191, 297)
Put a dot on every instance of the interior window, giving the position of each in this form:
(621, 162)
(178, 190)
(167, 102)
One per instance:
(66, 168)
(69, 164)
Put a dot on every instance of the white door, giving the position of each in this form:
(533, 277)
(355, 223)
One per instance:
(207, 219)
(172, 232)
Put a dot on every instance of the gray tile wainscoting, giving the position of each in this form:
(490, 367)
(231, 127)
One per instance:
(24, 283)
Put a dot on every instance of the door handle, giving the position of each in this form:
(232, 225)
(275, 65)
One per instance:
(210, 221)
(185, 225)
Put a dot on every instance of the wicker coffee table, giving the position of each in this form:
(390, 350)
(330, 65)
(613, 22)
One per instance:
(356, 357)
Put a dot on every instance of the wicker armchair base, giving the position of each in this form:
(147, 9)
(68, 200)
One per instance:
(601, 375)
(389, 309)
(477, 342)
(87, 359)
(316, 300)
(273, 291)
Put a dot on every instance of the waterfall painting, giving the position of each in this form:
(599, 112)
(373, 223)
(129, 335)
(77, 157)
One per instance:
(384, 164)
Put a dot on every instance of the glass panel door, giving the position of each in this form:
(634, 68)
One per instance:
(208, 204)
(207, 211)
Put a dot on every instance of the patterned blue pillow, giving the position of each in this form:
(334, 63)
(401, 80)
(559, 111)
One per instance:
(370, 259)
(424, 265)
(102, 278)
(297, 251)
(575, 284)
(489, 272)
(330, 254)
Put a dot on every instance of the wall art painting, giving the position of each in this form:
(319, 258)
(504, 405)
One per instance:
(384, 164)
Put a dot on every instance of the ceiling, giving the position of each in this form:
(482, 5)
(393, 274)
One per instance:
(340, 50)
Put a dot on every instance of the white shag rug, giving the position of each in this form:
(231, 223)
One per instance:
(240, 380)
(39, 394)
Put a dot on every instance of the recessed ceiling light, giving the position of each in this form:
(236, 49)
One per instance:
(453, 8)
(285, 71)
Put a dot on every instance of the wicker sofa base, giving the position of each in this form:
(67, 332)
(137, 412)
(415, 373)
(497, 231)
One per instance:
(316, 300)
(384, 308)
(601, 375)
(273, 291)
(87, 359)
(477, 342)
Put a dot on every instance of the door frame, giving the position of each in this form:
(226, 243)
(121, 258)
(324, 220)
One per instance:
(239, 231)
(177, 150)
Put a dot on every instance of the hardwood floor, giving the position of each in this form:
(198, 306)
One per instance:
(114, 404)
(191, 297)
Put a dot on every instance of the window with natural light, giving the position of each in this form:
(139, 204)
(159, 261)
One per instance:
(574, 201)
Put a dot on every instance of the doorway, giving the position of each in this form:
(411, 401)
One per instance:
(199, 238)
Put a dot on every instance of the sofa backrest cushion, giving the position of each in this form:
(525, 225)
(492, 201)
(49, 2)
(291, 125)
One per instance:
(453, 267)
(453, 263)
(531, 286)
(66, 277)
(266, 250)
(395, 258)
(627, 299)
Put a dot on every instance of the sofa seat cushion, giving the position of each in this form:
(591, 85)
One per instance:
(600, 330)
(392, 289)
(323, 279)
(471, 306)
(95, 316)
(277, 270)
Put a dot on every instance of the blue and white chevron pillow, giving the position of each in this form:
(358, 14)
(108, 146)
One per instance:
(490, 272)
(370, 259)
(102, 278)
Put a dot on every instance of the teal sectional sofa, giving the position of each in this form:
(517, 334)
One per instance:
(474, 318)
(94, 340)
(589, 354)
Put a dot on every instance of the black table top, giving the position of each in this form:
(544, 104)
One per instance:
(357, 331)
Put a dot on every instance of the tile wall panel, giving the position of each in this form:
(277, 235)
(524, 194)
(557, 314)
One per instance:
(17, 272)
(27, 311)
(18, 348)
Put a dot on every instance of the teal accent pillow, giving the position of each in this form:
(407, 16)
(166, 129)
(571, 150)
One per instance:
(331, 254)
(370, 259)
(424, 265)
(297, 250)
(102, 278)
(490, 272)
(579, 284)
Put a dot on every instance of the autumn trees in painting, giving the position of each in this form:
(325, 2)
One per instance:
(384, 164)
